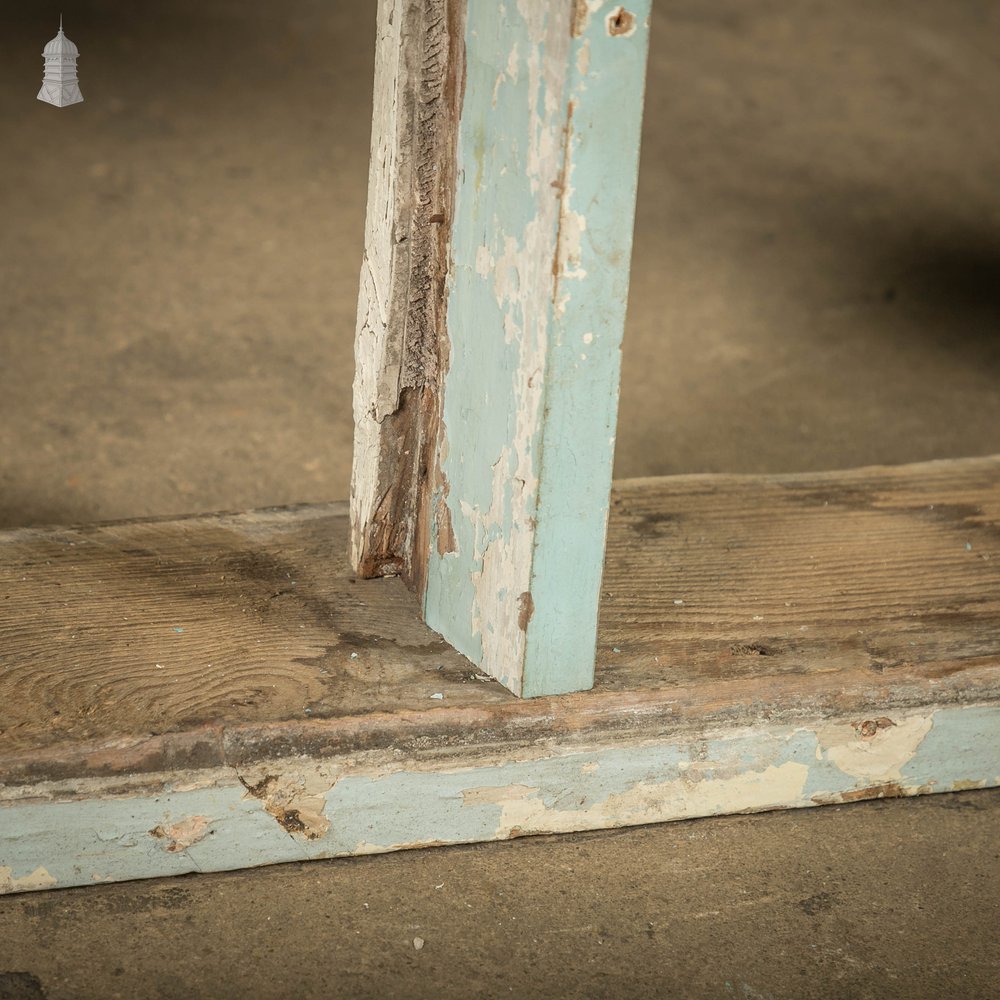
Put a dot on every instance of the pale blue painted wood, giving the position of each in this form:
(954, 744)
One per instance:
(548, 148)
(102, 832)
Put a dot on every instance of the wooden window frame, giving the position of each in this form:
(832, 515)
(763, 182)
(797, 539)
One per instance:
(225, 691)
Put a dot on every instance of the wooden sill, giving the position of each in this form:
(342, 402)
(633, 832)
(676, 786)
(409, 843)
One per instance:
(218, 691)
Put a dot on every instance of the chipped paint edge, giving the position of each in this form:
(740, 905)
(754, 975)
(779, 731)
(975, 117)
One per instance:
(547, 163)
(401, 295)
(61, 834)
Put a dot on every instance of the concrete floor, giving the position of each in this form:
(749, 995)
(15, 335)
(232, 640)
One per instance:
(893, 899)
(816, 285)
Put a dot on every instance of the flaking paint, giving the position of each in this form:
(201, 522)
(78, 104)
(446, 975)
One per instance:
(376, 802)
(879, 757)
(37, 879)
(547, 159)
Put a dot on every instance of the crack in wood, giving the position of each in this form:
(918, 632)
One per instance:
(400, 347)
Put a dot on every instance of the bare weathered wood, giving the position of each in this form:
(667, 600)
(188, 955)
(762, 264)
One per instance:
(133, 645)
(151, 627)
(206, 693)
(484, 456)
(872, 572)
(402, 297)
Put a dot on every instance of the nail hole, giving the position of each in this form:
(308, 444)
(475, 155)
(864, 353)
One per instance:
(621, 22)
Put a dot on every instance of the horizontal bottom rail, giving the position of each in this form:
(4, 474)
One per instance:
(219, 691)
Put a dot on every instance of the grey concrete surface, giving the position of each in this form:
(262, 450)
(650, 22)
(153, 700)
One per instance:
(816, 285)
(874, 901)
(817, 253)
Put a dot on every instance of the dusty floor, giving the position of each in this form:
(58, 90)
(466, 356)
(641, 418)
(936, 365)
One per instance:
(816, 285)
(897, 899)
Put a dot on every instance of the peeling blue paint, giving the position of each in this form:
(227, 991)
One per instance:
(541, 240)
(112, 836)
(961, 742)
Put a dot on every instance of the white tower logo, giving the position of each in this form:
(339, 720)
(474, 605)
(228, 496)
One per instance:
(59, 85)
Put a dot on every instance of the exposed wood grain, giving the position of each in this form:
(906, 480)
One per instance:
(401, 301)
(876, 571)
(501, 199)
(146, 628)
(147, 645)
(267, 811)
(205, 694)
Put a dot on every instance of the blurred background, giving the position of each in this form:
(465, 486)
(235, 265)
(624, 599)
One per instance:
(816, 284)
(816, 280)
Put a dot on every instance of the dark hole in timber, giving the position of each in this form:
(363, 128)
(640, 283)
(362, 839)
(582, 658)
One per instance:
(749, 649)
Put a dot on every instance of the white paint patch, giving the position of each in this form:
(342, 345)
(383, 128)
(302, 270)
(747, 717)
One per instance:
(510, 328)
(645, 802)
(506, 559)
(571, 232)
(512, 65)
(38, 879)
(376, 377)
(505, 271)
(367, 847)
(583, 14)
(588, 338)
(484, 261)
(534, 14)
(875, 758)
(496, 795)
(199, 782)
(522, 287)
